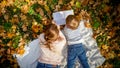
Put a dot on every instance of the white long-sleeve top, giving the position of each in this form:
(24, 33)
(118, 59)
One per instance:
(52, 57)
(76, 36)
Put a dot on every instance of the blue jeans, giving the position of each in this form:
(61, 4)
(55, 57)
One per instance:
(77, 51)
(44, 65)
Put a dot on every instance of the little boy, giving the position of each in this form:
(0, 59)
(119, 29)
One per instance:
(75, 46)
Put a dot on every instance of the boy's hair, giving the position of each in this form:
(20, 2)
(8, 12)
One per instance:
(72, 22)
(51, 34)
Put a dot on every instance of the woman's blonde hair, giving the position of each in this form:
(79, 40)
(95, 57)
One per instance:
(72, 22)
(51, 34)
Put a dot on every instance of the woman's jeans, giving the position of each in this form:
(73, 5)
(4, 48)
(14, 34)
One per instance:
(77, 51)
(44, 65)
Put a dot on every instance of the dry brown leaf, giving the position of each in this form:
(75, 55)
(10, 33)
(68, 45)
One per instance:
(8, 51)
(57, 8)
(84, 2)
(9, 43)
(60, 2)
(23, 17)
(72, 2)
(40, 11)
(106, 9)
(24, 27)
(6, 17)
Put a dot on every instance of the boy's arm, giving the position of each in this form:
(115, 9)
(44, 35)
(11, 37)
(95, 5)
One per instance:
(62, 27)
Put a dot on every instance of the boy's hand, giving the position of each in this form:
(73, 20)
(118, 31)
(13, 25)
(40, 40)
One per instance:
(87, 25)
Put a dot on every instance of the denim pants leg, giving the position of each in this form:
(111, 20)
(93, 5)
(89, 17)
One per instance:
(44, 65)
(76, 51)
(71, 57)
(82, 56)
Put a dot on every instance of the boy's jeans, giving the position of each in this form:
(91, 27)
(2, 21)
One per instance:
(74, 51)
(44, 65)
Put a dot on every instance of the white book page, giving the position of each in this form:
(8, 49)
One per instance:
(59, 17)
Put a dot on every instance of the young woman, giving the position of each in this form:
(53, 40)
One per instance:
(52, 43)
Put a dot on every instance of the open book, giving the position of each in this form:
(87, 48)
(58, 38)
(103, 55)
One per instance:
(59, 17)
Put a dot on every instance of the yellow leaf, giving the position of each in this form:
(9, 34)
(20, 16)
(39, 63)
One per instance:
(27, 1)
(41, 2)
(35, 28)
(9, 43)
(14, 28)
(111, 55)
(3, 3)
(25, 9)
(10, 35)
(21, 47)
(105, 47)
(21, 52)
(47, 8)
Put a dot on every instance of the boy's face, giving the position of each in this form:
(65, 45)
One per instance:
(73, 24)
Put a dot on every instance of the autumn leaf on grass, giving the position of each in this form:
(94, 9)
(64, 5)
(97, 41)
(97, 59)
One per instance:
(40, 11)
(112, 33)
(35, 28)
(78, 4)
(25, 9)
(57, 8)
(23, 17)
(20, 51)
(27, 1)
(15, 19)
(24, 27)
(60, 2)
(41, 2)
(10, 35)
(6, 17)
(9, 43)
(111, 55)
(3, 3)
(46, 8)
(40, 27)
(72, 2)
(105, 47)
(84, 2)
(34, 35)
(106, 9)
(45, 21)
(14, 28)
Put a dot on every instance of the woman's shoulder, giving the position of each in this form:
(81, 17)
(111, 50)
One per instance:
(41, 37)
